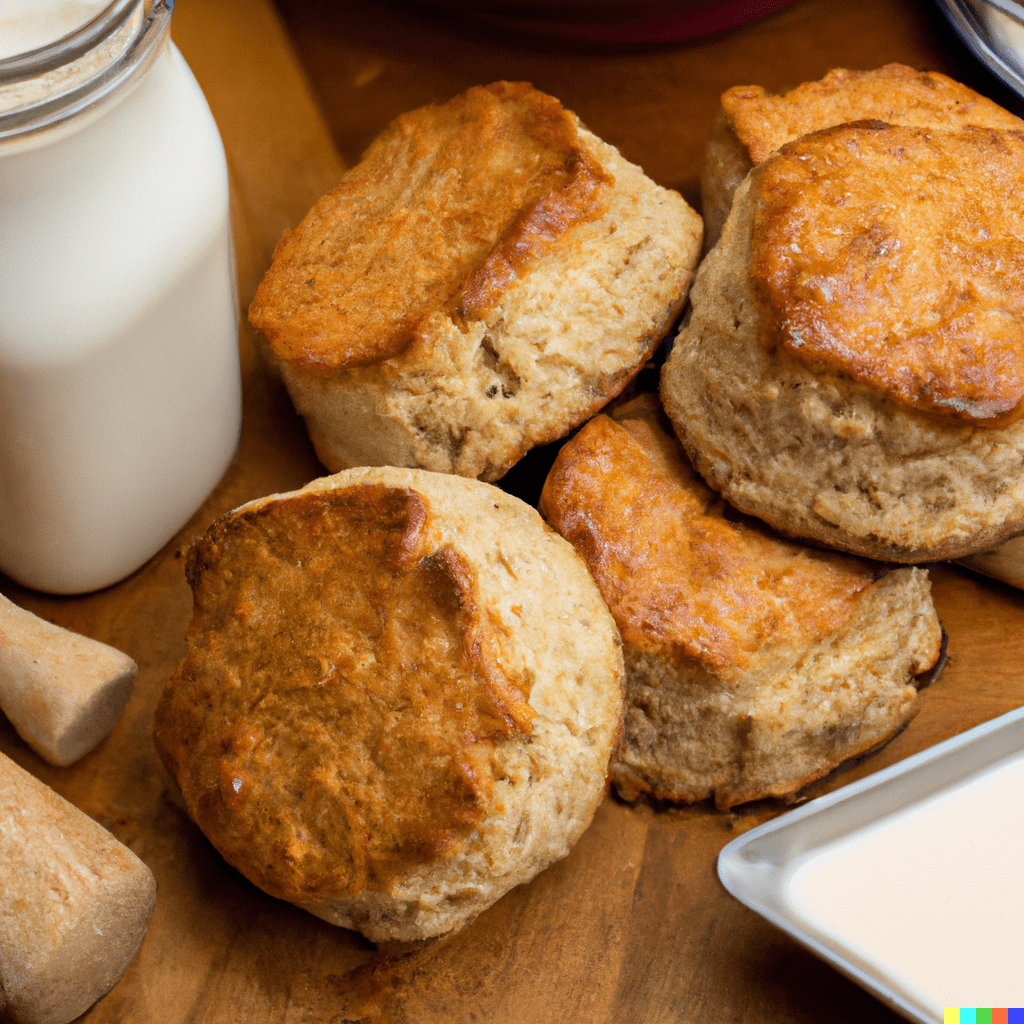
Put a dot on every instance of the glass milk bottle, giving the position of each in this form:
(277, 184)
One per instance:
(120, 396)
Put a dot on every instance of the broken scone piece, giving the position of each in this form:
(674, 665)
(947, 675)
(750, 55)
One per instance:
(751, 122)
(853, 369)
(754, 665)
(489, 275)
(399, 699)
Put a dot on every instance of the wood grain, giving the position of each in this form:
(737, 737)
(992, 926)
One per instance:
(633, 926)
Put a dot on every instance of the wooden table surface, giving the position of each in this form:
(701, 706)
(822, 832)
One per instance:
(634, 925)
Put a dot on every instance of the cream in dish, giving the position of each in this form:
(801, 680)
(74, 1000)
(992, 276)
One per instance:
(931, 897)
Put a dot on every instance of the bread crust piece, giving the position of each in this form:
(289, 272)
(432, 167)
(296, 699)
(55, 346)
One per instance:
(399, 699)
(75, 904)
(505, 352)
(754, 665)
(752, 122)
(816, 453)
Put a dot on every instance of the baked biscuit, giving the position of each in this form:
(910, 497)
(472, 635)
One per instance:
(853, 368)
(488, 276)
(399, 698)
(751, 122)
(754, 665)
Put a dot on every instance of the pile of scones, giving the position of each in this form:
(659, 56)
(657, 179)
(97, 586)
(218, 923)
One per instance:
(406, 690)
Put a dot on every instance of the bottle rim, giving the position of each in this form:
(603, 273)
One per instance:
(59, 96)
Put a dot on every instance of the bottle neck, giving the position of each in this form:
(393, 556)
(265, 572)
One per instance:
(56, 82)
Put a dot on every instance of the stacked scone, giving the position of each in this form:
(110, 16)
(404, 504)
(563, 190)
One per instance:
(853, 368)
(752, 123)
(850, 373)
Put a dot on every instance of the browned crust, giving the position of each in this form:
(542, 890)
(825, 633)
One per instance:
(752, 123)
(895, 256)
(448, 206)
(677, 571)
(894, 93)
(336, 716)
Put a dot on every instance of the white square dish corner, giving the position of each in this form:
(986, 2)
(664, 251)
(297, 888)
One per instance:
(910, 881)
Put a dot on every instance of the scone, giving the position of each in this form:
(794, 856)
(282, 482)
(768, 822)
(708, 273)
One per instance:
(853, 368)
(488, 276)
(754, 665)
(399, 698)
(751, 122)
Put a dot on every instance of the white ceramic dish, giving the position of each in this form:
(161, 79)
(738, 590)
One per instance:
(911, 881)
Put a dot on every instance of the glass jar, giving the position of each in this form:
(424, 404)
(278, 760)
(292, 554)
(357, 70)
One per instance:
(120, 398)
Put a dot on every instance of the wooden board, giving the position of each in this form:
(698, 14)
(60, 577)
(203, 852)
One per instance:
(633, 926)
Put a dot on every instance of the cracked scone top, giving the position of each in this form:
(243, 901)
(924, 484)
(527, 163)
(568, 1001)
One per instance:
(754, 664)
(853, 368)
(399, 698)
(486, 277)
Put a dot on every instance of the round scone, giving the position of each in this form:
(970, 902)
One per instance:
(399, 698)
(754, 664)
(853, 368)
(751, 122)
(489, 275)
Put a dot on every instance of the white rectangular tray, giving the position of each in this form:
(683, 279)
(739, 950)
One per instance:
(910, 881)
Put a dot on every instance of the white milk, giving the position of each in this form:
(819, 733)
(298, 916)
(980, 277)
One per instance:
(119, 382)
(933, 896)
(28, 25)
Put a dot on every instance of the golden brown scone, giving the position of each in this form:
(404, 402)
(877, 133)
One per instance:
(399, 699)
(754, 665)
(752, 123)
(488, 276)
(853, 369)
